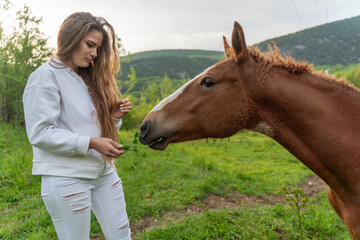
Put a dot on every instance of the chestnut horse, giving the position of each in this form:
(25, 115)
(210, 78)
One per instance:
(314, 116)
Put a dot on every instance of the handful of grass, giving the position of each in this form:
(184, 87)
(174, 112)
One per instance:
(133, 146)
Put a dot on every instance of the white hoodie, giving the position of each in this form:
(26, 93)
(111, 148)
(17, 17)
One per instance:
(60, 119)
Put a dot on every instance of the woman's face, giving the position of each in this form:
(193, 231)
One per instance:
(84, 54)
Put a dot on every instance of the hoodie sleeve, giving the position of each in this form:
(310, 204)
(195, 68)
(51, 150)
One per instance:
(42, 110)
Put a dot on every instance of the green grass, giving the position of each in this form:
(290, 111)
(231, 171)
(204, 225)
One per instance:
(194, 169)
(157, 182)
(260, 222)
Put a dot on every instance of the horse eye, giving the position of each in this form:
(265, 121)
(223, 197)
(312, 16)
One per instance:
(207, 82)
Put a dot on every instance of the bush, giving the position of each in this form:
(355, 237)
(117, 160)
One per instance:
(21, 52)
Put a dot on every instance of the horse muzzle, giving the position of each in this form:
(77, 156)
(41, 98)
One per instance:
(152, 136)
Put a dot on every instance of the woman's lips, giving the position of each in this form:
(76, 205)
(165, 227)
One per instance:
(91, 62)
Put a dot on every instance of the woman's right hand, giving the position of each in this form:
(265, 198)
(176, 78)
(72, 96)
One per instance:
(106, 146)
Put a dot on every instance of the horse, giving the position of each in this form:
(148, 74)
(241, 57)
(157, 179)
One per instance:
(315, 116)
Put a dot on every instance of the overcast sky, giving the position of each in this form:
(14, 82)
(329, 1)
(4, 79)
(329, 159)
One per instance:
(193, 24)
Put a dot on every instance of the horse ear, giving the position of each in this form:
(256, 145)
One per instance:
(229, 52)
(238, 43)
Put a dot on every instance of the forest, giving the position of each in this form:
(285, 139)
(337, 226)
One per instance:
(328, 44)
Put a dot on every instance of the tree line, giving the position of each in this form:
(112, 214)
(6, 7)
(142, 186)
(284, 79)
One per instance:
(332, 43)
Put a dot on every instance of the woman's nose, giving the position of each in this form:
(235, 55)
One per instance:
(93, 53)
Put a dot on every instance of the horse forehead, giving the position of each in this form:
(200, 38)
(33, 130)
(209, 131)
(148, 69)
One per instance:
(177, 93)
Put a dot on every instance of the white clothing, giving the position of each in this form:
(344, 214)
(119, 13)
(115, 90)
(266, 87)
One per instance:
(60, 119)
(69, 201)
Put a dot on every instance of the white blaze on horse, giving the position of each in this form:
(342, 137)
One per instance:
(314, 116)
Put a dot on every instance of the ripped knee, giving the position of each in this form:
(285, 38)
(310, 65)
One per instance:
(78, 202)
(122, 230)
(116, 183)
(124, 227)
(74, 194)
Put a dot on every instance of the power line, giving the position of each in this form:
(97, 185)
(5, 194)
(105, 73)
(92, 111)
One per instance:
(297, 14)
(327, 11)
(317, 11)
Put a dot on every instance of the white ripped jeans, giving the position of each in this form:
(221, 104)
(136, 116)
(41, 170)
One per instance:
(70, 200)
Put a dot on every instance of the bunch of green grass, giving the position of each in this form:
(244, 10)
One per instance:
(22, 214)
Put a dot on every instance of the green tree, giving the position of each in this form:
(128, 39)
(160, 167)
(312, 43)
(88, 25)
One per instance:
(153, 93)
(21, 52)
(131, 82)
(120, 46)
(352, 74)
(166, 87)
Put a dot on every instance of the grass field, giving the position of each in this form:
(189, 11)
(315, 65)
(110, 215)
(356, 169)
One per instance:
(162, 184)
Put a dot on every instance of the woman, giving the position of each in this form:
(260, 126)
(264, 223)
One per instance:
(72, 116)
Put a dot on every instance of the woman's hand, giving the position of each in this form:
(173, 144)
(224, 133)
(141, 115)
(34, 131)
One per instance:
(106, 146)
(123, 107)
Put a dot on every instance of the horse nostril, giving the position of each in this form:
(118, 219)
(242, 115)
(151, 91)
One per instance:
(144, 126)
(144, 129)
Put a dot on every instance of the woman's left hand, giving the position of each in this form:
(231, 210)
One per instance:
(123, 107)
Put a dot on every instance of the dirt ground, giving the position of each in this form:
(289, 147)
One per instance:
(312, 186)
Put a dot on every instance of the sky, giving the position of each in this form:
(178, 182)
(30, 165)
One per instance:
(145, 25)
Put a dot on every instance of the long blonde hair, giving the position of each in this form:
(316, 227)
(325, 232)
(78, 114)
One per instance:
(99, 77)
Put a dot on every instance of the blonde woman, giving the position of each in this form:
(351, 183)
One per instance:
(72, 116)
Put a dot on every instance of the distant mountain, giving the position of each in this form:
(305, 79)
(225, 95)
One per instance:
(177, 64)
(329, 44)
(217, 55)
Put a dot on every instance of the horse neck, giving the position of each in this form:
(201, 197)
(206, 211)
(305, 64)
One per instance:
(313, 119)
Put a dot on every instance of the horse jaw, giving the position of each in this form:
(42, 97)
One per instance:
(264, 128)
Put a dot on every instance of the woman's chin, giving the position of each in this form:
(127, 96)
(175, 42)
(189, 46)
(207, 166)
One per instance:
(85, 65)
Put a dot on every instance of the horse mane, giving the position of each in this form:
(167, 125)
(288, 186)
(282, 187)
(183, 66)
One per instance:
(273, 58)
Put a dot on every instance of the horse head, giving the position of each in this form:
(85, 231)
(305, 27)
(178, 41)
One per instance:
(213, 104)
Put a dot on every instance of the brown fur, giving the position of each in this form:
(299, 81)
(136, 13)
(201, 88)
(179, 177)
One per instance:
(273, 58)
(314, 116)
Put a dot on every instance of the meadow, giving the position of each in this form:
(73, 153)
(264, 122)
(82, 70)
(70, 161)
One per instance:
(169, 191)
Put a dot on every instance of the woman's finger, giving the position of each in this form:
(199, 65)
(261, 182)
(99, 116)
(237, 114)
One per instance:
(125, 104)
(115, 152)
(126, 100)
(119, 153)
(125, 108)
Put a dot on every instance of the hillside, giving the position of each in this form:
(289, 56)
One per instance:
(328, 44)
(177, 64)
(217, 55)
